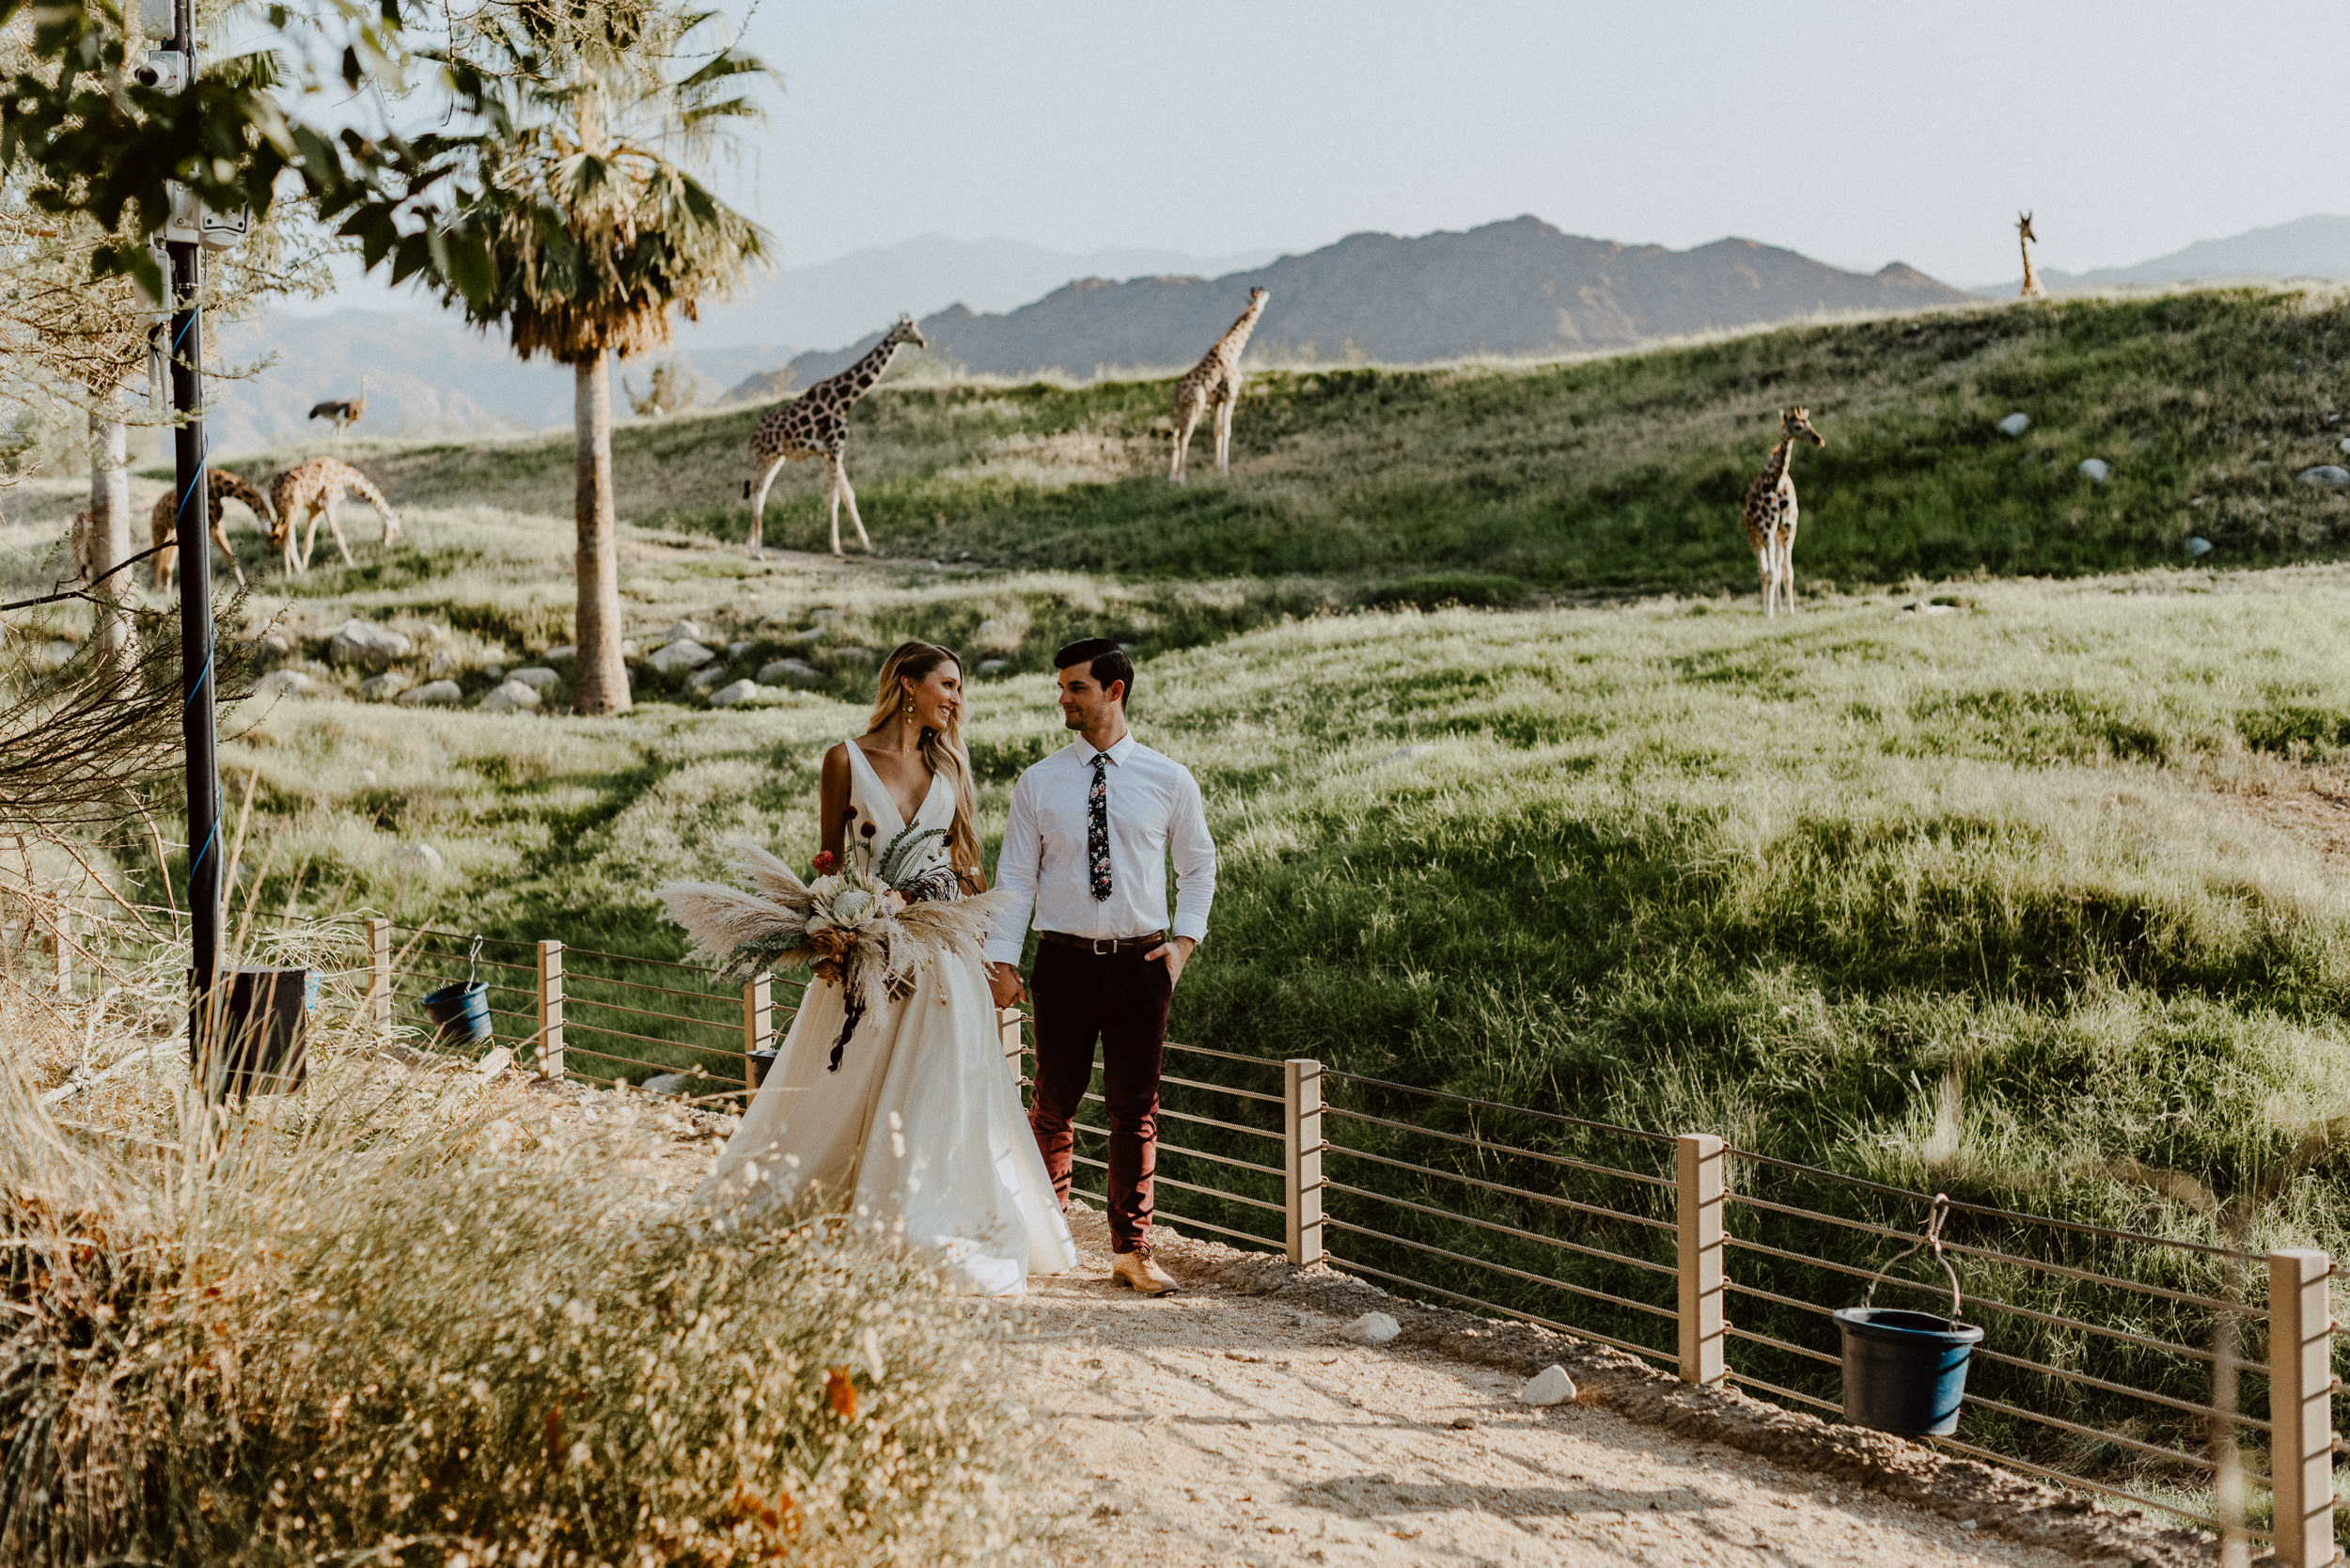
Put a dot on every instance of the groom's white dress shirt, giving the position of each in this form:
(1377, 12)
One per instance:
(1155, 807)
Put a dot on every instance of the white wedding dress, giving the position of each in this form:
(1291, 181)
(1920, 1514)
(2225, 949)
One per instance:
(920, 1128)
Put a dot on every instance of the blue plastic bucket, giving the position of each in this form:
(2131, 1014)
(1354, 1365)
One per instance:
(462, 1012)
(1904, 1373)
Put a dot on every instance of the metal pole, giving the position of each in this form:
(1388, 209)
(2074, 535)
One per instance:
(198, 722)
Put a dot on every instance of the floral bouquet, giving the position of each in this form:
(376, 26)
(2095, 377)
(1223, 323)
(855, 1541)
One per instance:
(870, 933)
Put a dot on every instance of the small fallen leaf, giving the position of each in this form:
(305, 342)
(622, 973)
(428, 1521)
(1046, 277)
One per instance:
(840, 1394)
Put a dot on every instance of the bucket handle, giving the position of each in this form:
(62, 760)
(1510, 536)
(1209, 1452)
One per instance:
(473, 960)
(1932, 1238)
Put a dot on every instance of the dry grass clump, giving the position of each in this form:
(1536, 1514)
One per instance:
(401, 1318)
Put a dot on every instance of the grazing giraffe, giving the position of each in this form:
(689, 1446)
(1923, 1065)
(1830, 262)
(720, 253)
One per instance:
(1214, 383)
(311, 490)
(815, 424)
(2024, 240)
(163, 524)
(1770, 515)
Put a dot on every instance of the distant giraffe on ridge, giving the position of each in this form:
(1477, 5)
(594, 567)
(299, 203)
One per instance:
(815, 424)
(1214, 383)
(2024, 240)
(1770, 514)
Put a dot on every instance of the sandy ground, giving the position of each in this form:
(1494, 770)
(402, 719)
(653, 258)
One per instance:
(1216, 1427)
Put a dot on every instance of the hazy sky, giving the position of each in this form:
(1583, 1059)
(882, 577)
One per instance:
(1857, 133)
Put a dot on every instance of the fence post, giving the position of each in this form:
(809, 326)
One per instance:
(380, 977)
(1697, 1222)
(550, 1010)
(1301, 1157)
(2301, 1405)
(758, 1025)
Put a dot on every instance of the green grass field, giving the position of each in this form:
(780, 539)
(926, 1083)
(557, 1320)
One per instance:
(1490, 485)
(2022, 882)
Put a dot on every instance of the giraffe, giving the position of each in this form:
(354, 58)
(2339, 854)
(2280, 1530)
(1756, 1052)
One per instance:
(163, 524)
(2024, 240)
(815, 424)
(1770, 515)
(308, 490)
(1214, 383)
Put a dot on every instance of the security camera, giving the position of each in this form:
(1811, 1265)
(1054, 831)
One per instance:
(164, 70)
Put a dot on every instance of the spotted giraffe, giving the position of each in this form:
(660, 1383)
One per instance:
(164, 522)
(1214, 383)
(1771, 513)
(2024, 240)
(311, 490)
(815, 424)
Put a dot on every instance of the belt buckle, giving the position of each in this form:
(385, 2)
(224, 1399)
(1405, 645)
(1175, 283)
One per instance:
(1102, 945)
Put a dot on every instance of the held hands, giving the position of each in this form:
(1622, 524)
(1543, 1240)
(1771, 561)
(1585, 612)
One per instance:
(1176, 954)
(1003, 979)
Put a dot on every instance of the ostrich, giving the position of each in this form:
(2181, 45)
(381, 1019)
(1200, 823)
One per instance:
(343, 414)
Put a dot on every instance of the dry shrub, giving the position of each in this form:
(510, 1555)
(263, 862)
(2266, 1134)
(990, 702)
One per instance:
(393, 1319)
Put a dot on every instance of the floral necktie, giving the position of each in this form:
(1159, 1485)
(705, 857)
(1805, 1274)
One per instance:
(1098, 829)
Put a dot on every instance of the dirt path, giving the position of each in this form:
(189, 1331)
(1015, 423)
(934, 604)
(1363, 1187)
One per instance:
(1218, 1427)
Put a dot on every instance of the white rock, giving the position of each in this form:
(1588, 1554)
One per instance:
(732, 693)
(368, 776)
(537, 676)
(816, 633)
(384, 687)
(509, 697)
(416, 858)
(684, 630)
(2199, 547)
(277, 642)
(991, 666)
(564, 654)
(289, 683)
(1551, 1386)
(791, 672)
(1371, 1328)
(670, 1083)
(434, 694)
(363, 642)
(495, 672)
(2345, 443)
(737, 648)
(2016, 424)
(2325, 474)
(442, 664)
(685, 653)
(863, 658)
(2097, 470)
(707, 678)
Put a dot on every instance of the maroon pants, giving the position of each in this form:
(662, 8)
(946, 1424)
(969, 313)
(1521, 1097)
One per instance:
(1120, 1000)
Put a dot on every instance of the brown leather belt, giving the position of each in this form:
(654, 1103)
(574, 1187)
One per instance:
(1102, 947)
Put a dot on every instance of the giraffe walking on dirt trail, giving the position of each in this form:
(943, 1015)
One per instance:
(815, 424)
(1214, 383)
(1770, 515)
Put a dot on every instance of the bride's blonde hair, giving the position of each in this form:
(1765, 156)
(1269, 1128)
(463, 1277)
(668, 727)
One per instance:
(943, 752)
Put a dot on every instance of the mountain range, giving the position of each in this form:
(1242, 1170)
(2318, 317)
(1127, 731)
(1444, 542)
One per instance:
(1515, 287)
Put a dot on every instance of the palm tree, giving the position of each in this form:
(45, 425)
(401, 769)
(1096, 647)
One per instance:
(582, 190)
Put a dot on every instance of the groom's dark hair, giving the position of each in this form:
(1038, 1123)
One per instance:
(1104, 661)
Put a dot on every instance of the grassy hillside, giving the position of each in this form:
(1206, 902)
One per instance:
(1612, 475)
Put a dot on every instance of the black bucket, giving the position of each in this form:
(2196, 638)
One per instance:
(1904, 1373)
(761, 1062)
(460, 1012)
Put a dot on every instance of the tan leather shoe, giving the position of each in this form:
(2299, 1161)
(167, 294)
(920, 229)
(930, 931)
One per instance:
(1136, 1271)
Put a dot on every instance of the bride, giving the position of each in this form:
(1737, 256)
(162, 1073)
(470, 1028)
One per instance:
(903, 1112)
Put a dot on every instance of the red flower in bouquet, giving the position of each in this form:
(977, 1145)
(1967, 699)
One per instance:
(825, 863)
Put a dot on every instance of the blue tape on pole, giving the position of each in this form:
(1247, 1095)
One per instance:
(201, 676)
(209, 838)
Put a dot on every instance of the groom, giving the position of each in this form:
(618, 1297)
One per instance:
(1087, 844)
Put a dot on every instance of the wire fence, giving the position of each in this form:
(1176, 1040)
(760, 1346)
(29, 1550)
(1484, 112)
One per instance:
(2117, 1360)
